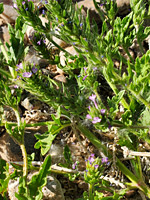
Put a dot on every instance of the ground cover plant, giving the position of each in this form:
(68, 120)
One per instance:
(82, 102)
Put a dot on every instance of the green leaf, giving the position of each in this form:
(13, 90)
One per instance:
(1, 8)
(39, 180)
(145, 117)
(4, 177)
(45, 140)
(67, 155)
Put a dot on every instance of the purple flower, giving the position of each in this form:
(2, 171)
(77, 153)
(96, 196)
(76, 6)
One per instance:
(85, 77)
(26, 9)
(73, 43)
(88, 116)
(15, 6)
(16, 86)
(105, 160)
(81, 24)
(94, 68)
(109, 125)
(103, 111)
(34, 69)
(86, 50)
(91, 160)
(92, 98)
(92, 155)
(74, 165)
(89, 107)
(46, 2)
(19, 66)
(96, 166)
(39, 42)
(43, 12)
(96, 120)
(57, 19)
(85, 69)
(62, 24)
(23, 3)
(27, 74)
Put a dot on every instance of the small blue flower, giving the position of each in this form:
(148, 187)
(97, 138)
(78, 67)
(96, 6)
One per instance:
(43, 12)
(81, 24)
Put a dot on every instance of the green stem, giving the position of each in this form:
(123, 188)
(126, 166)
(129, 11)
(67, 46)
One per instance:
(68, 124)
(90, 192)
(35, 124)
(25, 160)
(21, 144)
(128, 53)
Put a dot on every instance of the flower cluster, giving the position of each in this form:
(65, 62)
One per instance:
(91, 116)
(94, 169)
(25, 74)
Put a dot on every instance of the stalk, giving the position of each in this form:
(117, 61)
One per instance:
(25, 160)
(90, 192)
(114, 124)
(21, 144)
